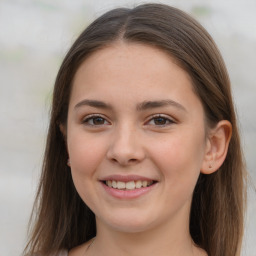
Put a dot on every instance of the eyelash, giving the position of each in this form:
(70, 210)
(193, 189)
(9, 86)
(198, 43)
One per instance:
(164, 118)
(93, 117)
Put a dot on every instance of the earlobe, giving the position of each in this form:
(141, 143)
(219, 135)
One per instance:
(216, 147)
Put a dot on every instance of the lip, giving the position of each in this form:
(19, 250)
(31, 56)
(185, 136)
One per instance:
(127, 194)
(126, 178)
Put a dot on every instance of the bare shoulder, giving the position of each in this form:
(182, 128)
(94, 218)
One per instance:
(80, 250)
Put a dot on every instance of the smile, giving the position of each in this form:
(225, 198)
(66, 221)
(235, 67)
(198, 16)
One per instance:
(130, 185)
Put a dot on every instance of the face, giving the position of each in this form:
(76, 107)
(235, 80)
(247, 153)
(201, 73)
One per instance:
(135, 137)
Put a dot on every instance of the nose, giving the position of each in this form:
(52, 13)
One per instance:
(126, 147)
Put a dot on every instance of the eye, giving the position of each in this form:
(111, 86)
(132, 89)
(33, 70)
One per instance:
(95, 120)
(160, 120)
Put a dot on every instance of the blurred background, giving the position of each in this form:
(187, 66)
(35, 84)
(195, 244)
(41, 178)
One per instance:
(34, 37)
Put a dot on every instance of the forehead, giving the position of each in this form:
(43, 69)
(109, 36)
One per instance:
(143, 61)
(127, 70)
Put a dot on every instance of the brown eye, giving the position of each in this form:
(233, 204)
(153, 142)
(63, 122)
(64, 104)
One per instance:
(160, 121)
(95, 121)
(98, 121)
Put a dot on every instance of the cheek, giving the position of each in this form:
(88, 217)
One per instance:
(179, 158)
(85, 153)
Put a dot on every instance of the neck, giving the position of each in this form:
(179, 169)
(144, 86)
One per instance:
(167, 239)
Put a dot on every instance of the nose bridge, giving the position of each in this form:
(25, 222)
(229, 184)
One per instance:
(126, 145)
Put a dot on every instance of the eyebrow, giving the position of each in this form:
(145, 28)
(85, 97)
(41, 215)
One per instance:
(93, 103)
(145, 105)
(159, 103)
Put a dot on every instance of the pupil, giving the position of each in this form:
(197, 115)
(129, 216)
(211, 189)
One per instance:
(160, 120)
(98, 120)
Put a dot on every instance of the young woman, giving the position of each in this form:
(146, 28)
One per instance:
(143, 154)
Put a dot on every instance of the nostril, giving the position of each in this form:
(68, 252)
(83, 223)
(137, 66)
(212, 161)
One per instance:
(124, 161)
(125, 150)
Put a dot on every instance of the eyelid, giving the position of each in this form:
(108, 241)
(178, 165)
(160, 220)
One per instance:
(167, 117)
(91, 116)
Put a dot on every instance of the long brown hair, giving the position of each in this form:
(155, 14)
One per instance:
(61, 218)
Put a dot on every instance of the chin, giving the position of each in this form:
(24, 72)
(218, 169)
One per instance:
(130, 223)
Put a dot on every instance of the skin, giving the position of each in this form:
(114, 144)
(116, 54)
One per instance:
(171, 149)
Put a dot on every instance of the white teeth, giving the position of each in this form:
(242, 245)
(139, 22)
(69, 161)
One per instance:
(138, 184)
(120, 185)
(144, 183)
(130, 185)
(114, 185)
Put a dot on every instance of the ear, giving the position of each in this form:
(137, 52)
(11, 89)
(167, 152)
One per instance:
(63, 130)
(216, 147)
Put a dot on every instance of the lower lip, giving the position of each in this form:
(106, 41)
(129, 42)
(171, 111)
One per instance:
(128, 194)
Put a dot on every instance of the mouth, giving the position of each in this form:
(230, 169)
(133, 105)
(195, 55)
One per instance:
(129, 185)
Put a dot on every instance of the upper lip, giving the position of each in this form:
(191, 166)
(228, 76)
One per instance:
(126, 178)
